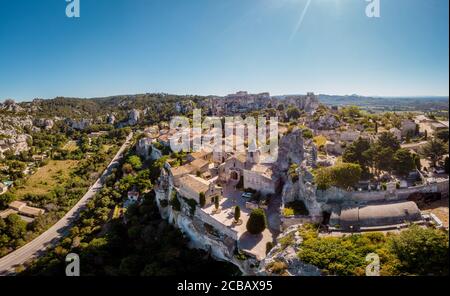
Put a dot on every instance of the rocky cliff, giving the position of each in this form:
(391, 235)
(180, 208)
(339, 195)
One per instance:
(201, 234)
(283, 259)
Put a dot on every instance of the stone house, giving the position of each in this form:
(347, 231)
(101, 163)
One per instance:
(191, 187)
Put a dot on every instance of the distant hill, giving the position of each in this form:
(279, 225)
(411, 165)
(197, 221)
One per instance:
(388, 103)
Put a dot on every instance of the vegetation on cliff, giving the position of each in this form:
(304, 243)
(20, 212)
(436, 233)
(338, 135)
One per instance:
(415, 251)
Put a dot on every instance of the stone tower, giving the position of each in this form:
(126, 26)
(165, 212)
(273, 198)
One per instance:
(253, 153)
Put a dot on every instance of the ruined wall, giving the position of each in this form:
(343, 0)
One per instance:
(337, 195)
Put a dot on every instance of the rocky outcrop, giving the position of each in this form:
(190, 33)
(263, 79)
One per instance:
(44, 123)
(81, 124)
(283, 258)
(302, 190)
(325, 122)
(15, 144)
(290, 150)
(111, 119)
(11, 106)
(201, 235)
(12, 133)
(133, 117)
(308, 103)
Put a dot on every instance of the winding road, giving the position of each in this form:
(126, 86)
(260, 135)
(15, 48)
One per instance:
(49, 238)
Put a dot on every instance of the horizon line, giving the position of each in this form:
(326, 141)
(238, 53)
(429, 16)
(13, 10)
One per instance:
(224, 95)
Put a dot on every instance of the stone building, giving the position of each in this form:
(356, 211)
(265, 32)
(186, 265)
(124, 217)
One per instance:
(373, 216)
(191, 187)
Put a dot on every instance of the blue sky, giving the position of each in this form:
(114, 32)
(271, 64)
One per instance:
(222, 46)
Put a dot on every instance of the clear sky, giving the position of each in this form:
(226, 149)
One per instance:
(222, 46)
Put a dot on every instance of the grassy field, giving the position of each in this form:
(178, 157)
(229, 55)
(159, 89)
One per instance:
(47, 177)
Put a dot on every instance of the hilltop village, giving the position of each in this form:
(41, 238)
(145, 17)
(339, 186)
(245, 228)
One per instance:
(340, 171)
(199, 192)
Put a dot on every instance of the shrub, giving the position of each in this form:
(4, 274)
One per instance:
(257, 221)
(175, 203)
(135, 162)
(343, 175)
(288, 212)
(192, 205)
(293, 173)
(307, 134)
(298, 208)
(277, 267)
(422, 251)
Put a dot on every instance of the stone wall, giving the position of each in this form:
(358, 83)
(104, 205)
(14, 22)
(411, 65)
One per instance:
(200, 214)
(287, 222)
(338, 196)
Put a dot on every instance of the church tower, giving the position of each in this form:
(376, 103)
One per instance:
(253, 153)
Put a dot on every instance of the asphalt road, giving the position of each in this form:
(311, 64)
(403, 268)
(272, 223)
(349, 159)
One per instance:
(49, 238)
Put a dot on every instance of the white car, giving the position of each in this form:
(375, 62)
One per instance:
(246, 195)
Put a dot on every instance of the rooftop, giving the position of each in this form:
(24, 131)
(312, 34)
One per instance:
(195, 183)
(377, 215)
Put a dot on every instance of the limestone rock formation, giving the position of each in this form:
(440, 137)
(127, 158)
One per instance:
(286, 257)
(290, 149)
(325, 122)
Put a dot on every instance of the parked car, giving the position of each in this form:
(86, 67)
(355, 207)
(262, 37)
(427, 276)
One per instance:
(247, 195)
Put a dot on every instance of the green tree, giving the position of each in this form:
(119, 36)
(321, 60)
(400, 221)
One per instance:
(307, 133)
(422, 251)
(351, 111)
(403, 161)
(216, 202)
(135, 162)
(257, 221)
(343, 175)
(323, 179)
(356, 152)
(237, 213)
(346, 175)
(434, 150)
(442, 135)
(382, 158)
(388, 140)
(6, 199)
(293, 113)
(16, 227)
